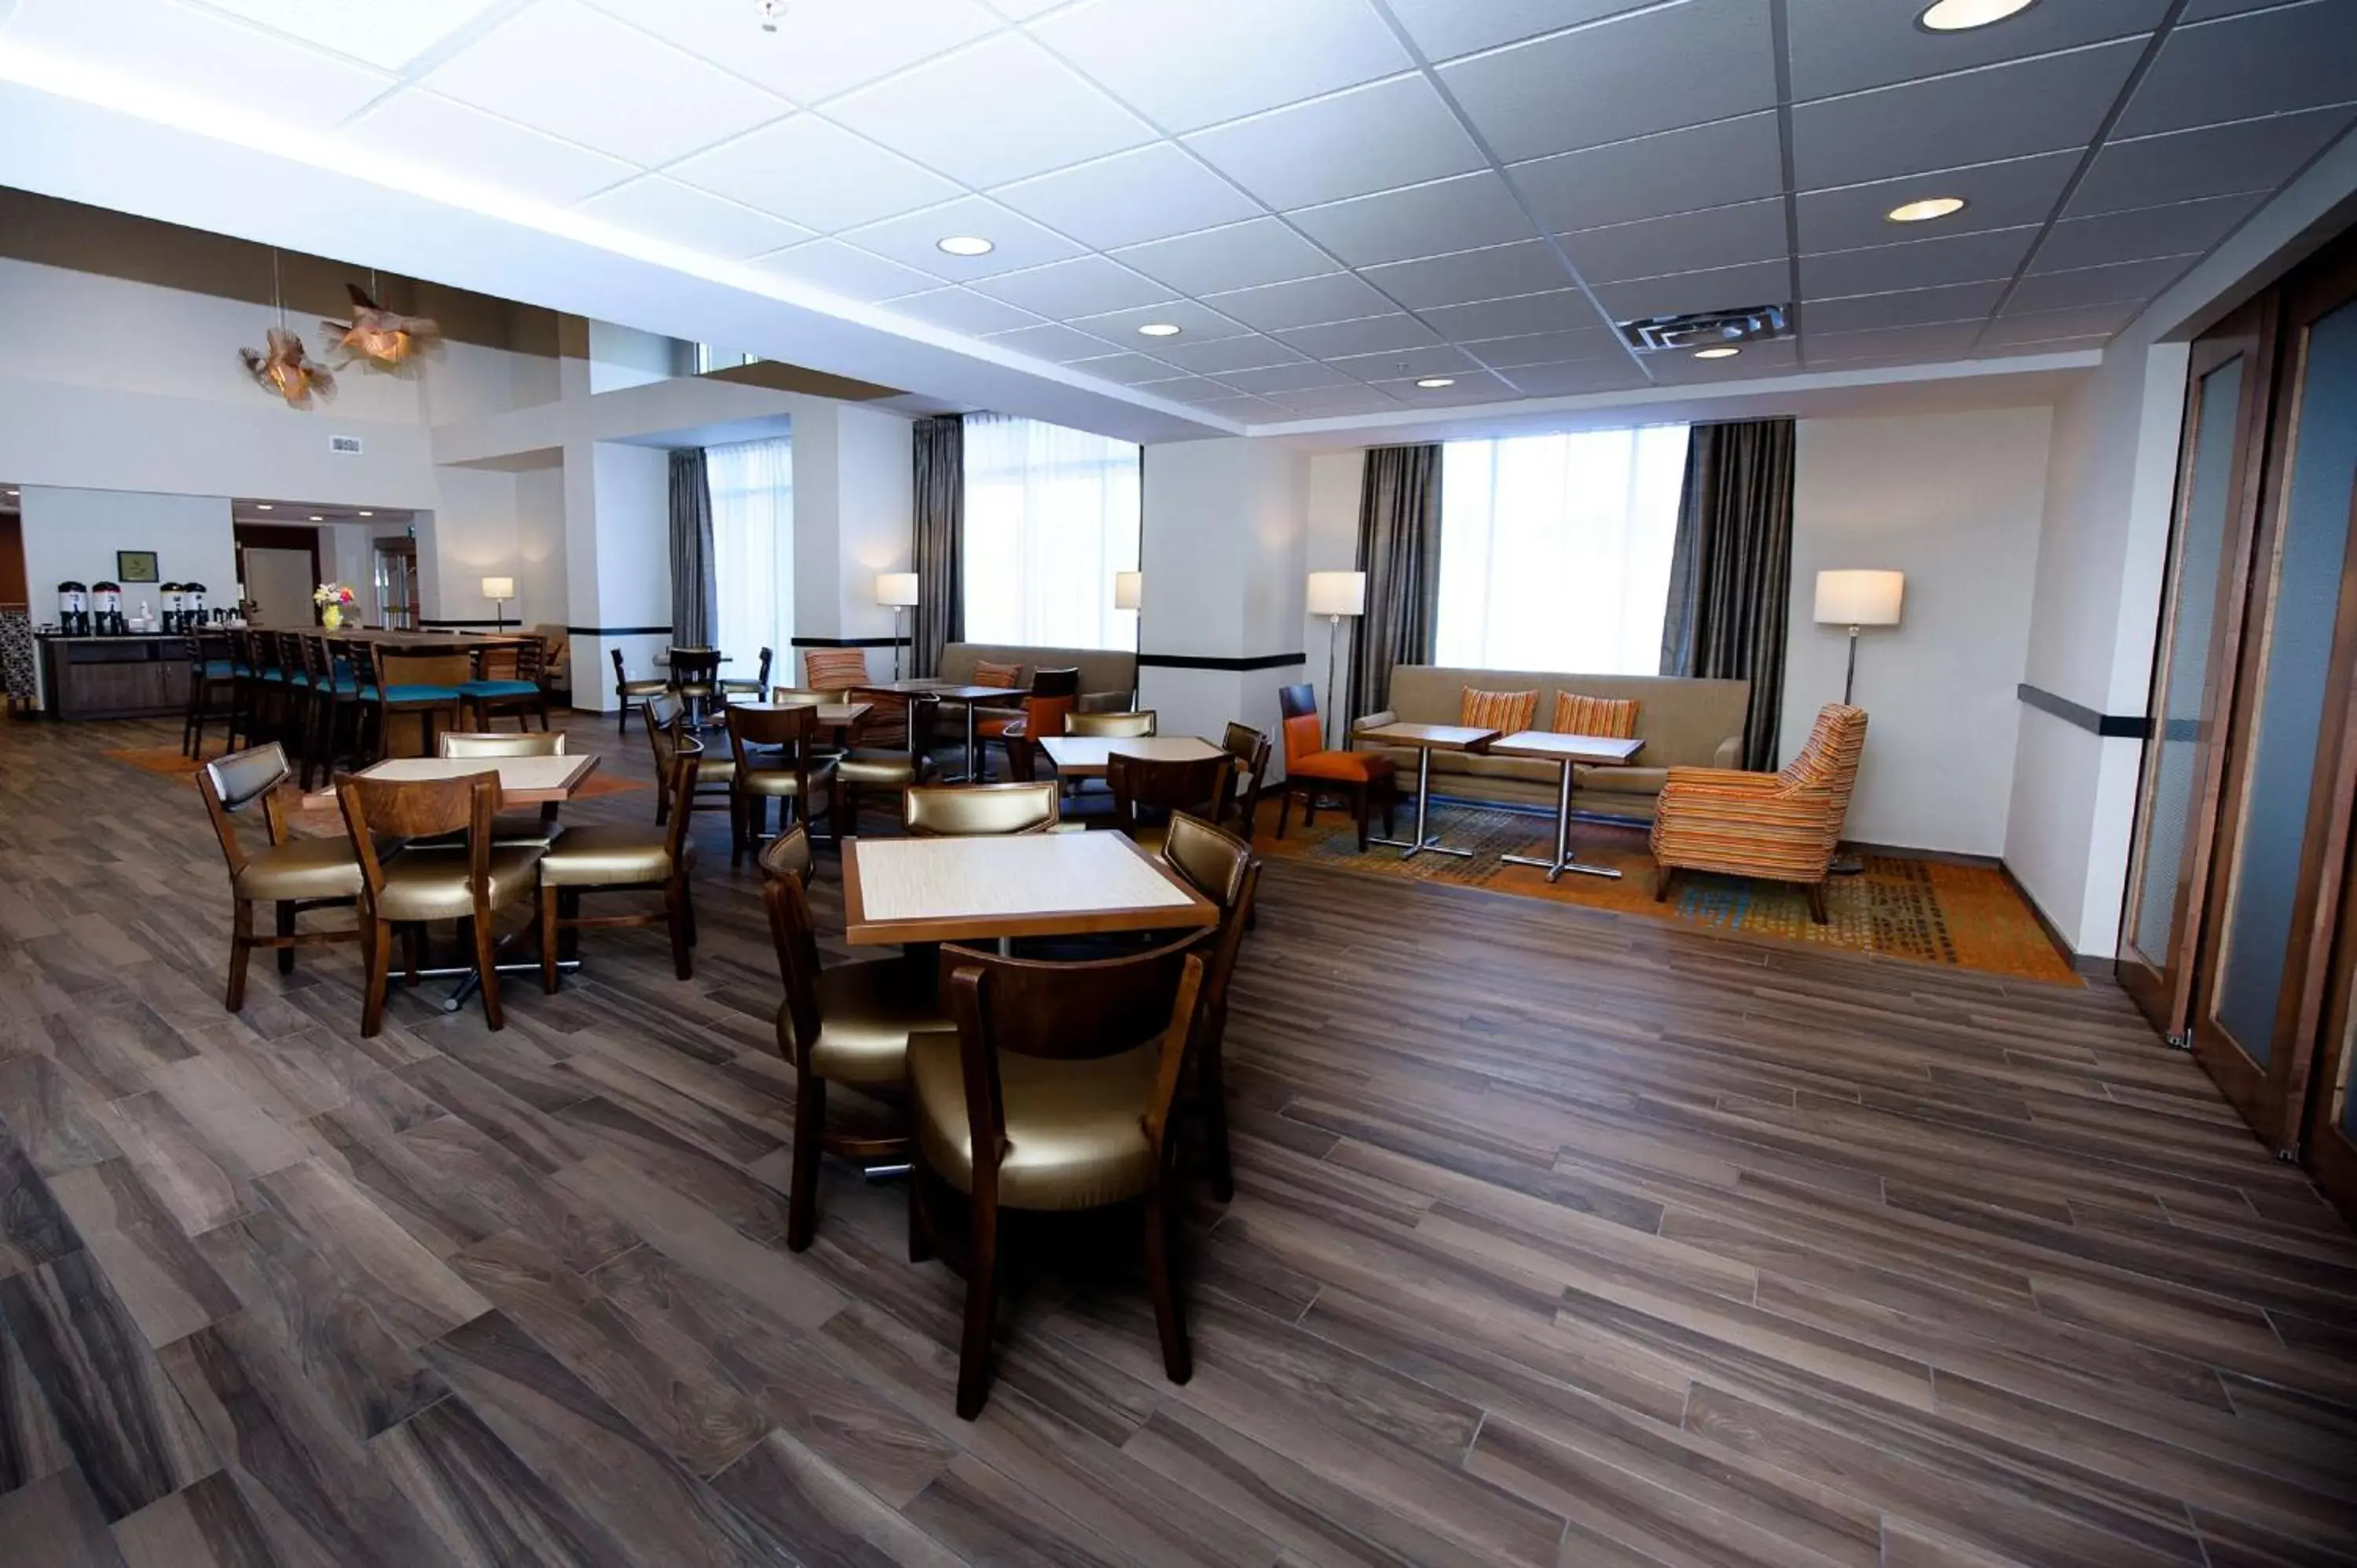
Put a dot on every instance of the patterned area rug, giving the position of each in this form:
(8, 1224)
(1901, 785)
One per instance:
(1931, 911)
(168, 760)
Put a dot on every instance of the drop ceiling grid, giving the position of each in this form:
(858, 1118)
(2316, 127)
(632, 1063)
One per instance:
(1862, 75)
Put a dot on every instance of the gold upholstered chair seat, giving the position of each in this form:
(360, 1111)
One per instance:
(867, 1013)
(1075, 1129)
(787, 782)
(431, 883)
(301, 868)
(715, 770)
(607, 854)
(878, 768)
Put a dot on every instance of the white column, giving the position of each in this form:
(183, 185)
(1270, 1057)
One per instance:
(855, 498)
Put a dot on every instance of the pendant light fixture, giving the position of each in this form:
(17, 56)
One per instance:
(282, 366)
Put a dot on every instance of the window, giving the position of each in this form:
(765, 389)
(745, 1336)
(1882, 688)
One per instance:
(709, 359)
(752, 485)
(1050, 515)
(1554, 549)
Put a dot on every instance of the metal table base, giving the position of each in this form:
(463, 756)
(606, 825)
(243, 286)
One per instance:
(1424, 843)
(1562, 860)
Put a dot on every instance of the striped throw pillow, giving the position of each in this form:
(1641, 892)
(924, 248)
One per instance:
(833, 669)
(1614, 718)
(985, 673)
(1506, 711)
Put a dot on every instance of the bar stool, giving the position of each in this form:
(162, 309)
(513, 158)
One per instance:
(428, 702)
(212, 688)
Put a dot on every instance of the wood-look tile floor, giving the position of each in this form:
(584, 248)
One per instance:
(1557, 1239)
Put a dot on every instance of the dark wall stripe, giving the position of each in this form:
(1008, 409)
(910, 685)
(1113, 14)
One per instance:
(441, 625)
(2111, 727)
(618, 630)
(847, 642)
(1201, 661)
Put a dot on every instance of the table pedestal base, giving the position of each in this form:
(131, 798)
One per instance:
(1424, 843)
(1563, 861)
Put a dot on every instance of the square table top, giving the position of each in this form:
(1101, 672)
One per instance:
(1084, 755)
(1018, 885)
(1432, 737)
(523, 780)
(830, 715)
(1596, 750)
(950, 691)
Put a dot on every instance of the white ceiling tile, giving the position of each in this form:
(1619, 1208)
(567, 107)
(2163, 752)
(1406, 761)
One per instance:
(1406, 364)
(2052, 102)
(387, 36)
(963, 310)
(1627, 76)
(1284, 379)
(2124, 282)
(1149, 193)
(581, 75)
(1239, 255)
(914, 239)
(1185, 67)
(1368, 334)
(1370, 138)
(1238, 407)
(818, 50)
(1996, 196)
(1687, 241)
(1528, 267)
(1126, 369)
(1308, 302)
(1196, 324)
(1719, 288)
(1472, 386)
(1229, 354)
(1550, 347)
(1001, 110)
(1563, 310)
(665, 209)
(1952, 340)
(2216, 160)
(1058, 345)
(1087, 286)
(841, 269)
(816, 174)
(1444, 28)
(1578, 377)
(1652, 177)
(1919, 264)
(1463, 213)
(2074, 344)
(1023, 10)
(1840, 45)
(1682, 368)
(2046, 326)
(2266, 63)
(1184, 388)
(434, 132)
(1329, 403)
(2184, 227)
(151, 41)
(1915, 308)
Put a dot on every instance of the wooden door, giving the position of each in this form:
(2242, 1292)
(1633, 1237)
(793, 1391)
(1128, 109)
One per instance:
(2274, 885)
(2194, 661)
(2331, 1153)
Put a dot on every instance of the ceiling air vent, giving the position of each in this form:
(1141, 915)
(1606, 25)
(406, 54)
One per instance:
(344, 446)
(1705, 328)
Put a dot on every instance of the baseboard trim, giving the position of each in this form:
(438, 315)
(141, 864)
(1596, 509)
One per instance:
(2089, 966)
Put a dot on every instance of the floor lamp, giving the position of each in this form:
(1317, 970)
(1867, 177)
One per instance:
(1334, 595)
(498, 590)
(1856, 599)
(898, 592)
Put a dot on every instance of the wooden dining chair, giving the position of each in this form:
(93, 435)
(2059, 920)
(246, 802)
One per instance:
(960, 811)
(778, 759)
(212, 682)
(1250, 747)
(1054, 694)
(1222, 869)
(537, 827)
(846, 1024)
(1112, 727)
(630, 694)
(889, 767)
(469, 883)
(1053, 1093)
(752, 690)
(290, 874)
(716, 777)
(1148, 792)
(427, 702)
(612, 857)
(694, 677)
(1362, 778)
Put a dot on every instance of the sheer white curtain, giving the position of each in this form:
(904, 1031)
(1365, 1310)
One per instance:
(752, 486)
(1050, 515)
(1554, 549)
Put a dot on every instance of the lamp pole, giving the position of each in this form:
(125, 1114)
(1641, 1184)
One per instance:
(1849, 679)
(1333, 638)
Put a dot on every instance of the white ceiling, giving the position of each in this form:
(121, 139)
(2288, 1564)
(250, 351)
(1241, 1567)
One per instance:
(1333, 199)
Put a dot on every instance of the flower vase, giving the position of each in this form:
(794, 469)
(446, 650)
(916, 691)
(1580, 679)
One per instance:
(331, 617)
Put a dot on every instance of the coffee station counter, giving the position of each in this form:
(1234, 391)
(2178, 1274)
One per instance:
(132, 675)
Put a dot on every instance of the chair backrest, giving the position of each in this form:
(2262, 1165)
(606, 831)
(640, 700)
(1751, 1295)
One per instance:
(288, 651)
(419, 808)
(543, 743)
(1250, 748)
(964, 810)
(801, 697)
(786, 868)
(233, 783)
(1827, 761)
(1066, 1011)
(532, 659)
(362, 657)
(1116, 727)
(1064, 683)
(316, 663)
(793, 729)
(694, 666)
(833, 669)
(1302, 734)
(1157, 786)
(762, 676)
(621, 672)
(1222, 869)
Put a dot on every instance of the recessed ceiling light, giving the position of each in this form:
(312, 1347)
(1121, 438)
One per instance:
(368, 514)
(1434, 383)
(1924, 211)
(263, 506)
(1726, 351)
(966, 245)
(316, 517)
(1960, 16)
(1158, 330)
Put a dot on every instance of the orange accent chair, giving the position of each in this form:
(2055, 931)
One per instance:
(1360, 778)
(1782, 827)
(1054, 693)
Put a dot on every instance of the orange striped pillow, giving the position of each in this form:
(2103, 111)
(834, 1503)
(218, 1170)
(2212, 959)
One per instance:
(1506, 711)
(985, 673)
(1615, 718)
(833, 669)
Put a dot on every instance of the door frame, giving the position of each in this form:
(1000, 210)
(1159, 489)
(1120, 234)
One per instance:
(279, 536)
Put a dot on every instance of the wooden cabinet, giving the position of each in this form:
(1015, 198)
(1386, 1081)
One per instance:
(115, 677)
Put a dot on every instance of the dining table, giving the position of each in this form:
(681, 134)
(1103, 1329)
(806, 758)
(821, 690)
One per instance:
(997, 887)
(1086, 756)
(838, 717)
(1567, 752)
(971, 697)
(1426, 739)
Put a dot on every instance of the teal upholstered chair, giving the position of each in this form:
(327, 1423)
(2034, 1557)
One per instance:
(523, 694)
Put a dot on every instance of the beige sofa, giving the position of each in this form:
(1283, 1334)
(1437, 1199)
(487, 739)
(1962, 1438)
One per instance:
(1684, 723)
(1108, 676)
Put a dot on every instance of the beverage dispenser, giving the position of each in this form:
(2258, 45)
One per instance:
(106, 609)
(73, 609)
(192, 606)
(173, 620)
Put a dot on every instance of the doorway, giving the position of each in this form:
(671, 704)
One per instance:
(279, 568)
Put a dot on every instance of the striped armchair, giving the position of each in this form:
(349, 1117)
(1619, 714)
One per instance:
(1781, 826)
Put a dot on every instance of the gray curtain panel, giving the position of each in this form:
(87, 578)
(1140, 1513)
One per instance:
(940, 541)
(694, 619)
(1731, 576)
(1399, 549)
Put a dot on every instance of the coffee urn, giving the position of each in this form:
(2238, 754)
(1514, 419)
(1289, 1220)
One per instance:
(172, 620)
(106, 609)
(193, 606)
(73, 609)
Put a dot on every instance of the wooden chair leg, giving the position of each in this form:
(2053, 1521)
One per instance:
(735, 829)
(241, 949)
(1817, 903)
(810, 1133)
(981, 1298)
(1662, 878)
(1310, 807)
(1361, 796)
(1169, 1312)
(286, 930)
(549, 928)
(1284, 811)
(379, 970)
(486, 958)
(622, 714)
(675, 908)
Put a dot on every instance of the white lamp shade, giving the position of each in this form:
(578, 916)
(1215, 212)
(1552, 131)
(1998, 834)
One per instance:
(1338, 593)
(499, 588)
(1128, 589)
(1859, 598)
(896, 589)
